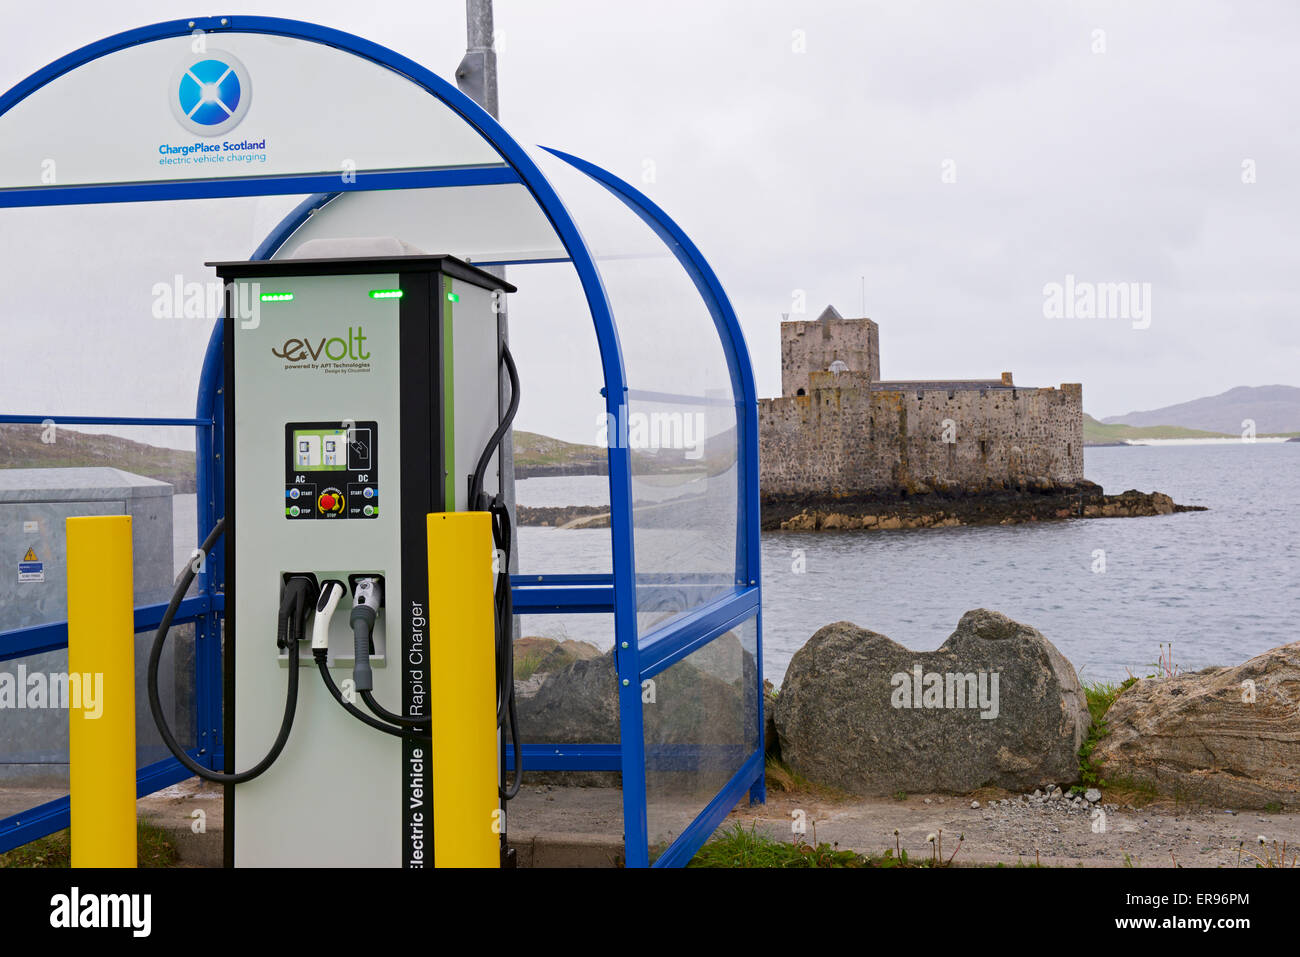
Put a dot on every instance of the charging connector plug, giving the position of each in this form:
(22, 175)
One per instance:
(367, 595)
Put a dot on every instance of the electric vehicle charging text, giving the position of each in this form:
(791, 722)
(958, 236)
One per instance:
(325, 537)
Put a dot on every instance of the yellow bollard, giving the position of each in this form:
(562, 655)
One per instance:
(462, 686)
(101, 691)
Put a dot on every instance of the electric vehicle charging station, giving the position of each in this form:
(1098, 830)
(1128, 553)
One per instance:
(432, 168)
(361, 393)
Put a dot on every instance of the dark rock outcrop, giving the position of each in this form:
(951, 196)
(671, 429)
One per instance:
(935, 509)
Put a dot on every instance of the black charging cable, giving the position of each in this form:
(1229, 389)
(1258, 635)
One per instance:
(424, 733)
(295, 604)
(502, 537)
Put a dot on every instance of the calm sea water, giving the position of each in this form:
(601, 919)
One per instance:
(1221, 585)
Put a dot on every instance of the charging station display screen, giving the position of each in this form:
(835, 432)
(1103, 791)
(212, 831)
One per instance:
(331, 470)
(322, 450)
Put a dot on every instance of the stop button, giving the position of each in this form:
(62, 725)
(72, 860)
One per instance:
(327, 502)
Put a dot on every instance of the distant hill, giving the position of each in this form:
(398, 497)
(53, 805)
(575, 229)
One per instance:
(1100, 433)
(1275, 409)
(21, 448)
(540, 455)
(537, 455)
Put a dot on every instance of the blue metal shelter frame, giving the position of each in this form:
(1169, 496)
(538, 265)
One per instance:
(636, 660)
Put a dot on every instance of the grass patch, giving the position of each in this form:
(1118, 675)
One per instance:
(1101, 695)
(738, 847)
(747, 848)
(781, 777)
(154, 848)
(1095, 432)
(526, 667)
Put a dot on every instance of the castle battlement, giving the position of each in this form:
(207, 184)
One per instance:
(839, 429)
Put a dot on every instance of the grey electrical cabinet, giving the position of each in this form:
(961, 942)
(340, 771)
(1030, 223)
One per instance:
(34, 506)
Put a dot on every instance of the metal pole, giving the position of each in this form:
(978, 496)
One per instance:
(477, 78)
(477, 74)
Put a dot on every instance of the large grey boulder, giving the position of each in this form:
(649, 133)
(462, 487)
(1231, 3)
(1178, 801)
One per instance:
(997, 704)
(1224, 736)
(576, 705)
(699, 707)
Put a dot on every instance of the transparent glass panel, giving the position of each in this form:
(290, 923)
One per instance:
(701, 724)
(566, 687)
(35, 695)
(680, 419)
(561, 466)
(476, 223)
(108, 309)
(57, 472)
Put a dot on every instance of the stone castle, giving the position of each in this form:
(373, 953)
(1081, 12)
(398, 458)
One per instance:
(838, 429)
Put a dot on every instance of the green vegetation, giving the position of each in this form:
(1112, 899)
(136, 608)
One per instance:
(22, 447)
(782, 777)
(741, 848)
(533, 450)
(1099, 433)
(541, 454)
(1270, 855)
(1101, 695)
(41, 447)
(1102, 433)
(526, 667)
(154, 849)
(738, 847)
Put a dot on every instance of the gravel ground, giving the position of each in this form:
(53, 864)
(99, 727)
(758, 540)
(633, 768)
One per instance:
(1004, 828)
(1011, 828)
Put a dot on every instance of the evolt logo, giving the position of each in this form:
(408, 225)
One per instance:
(335, 349)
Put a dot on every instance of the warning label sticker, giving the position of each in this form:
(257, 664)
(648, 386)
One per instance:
(31, 569)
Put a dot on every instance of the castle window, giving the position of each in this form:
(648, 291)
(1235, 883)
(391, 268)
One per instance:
(800, 392)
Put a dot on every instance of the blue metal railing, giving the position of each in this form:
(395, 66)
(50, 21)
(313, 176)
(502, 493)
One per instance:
(203, 610)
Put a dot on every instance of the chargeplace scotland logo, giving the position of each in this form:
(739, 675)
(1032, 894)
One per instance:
(210, 93)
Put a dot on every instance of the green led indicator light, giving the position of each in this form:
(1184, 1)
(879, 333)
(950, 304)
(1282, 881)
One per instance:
(277, 297)
(385, 294)
(452, 297)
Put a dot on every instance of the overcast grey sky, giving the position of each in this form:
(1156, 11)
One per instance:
(959, 156)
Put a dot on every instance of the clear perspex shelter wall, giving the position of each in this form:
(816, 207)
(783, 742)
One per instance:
(678, 600)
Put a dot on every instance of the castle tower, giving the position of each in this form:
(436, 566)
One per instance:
(808, 347)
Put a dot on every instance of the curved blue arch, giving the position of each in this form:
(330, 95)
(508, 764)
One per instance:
(530, 176)
(748, 518)
(729, 331)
